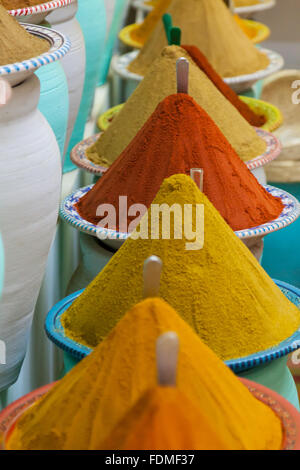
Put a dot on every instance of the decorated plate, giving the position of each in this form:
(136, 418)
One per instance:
(60, 45)
(260, 33)
(56, 334)
(80, 159)
(68, 212)
(37, 13)
(238, 84)
(287, 413)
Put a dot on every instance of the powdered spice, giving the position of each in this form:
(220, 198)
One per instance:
(159, 83)
(202, 62)
(15, 4)
(16, 43)
(220, 290)
(210, 26)
(178, 136)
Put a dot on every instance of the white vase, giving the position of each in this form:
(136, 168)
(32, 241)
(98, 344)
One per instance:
(63, 20)
(30, 179)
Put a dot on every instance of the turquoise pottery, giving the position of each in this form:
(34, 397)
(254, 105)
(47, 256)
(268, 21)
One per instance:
(54, 100)
(112, 37)
(92, 18)
(281, 258)
(267, 368)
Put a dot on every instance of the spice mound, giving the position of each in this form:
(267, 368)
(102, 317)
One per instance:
(202, 62)
(143, 32)
(159, 83)
(211, 27)
(85, 407)
(178, 136)
(218, 287)
(16, 43)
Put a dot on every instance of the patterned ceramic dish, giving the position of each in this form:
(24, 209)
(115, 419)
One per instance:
(271, 113)
(238, 84)
(115, 240)
(59, 46)
(56, 334)
(80, 159)
(265, 5)
(260, 33)
(36, 14)
(287, 413)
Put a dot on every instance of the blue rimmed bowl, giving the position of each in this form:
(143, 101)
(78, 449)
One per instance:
(59, 46)
(114, 239)
(56, 334)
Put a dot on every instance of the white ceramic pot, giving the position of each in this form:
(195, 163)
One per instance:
(63, 20)
(30, 179)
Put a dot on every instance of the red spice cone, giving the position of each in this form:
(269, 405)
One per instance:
(178, 136)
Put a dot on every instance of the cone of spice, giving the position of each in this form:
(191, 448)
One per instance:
(220, 290)
(16, 43)
(159, 83)
(178, 136)
(210, 26)
(116, 387)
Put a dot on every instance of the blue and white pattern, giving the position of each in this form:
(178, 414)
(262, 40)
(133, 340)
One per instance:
(120, 66)
(60, 45)
(290, 213)
(56, 334)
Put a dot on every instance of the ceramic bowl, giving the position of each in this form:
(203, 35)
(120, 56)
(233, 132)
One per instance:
(115, 240)
(287, 413)
(59, 46)
(238, 84)
(259, 7)
(37, 13)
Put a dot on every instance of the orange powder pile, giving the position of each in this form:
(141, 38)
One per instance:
(177, 137)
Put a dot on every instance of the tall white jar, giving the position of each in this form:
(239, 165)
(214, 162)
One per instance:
(30, 179)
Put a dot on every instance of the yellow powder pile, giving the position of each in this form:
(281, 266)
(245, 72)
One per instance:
(220, 290)
(15, 4)
(83, 409)
(16, 44)
(210, 26)
(143, 32)
(246, 3)
(159, 83)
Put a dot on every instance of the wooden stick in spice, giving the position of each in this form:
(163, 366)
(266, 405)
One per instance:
(167, 347)
(182, 71)
(152, 273)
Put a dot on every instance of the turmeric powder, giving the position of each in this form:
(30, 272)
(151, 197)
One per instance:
(210, 26)
(220, 290)
(85, 407)
(159, 83)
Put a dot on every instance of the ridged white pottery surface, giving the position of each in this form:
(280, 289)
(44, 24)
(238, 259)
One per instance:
(30, 179)
(64, 20)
